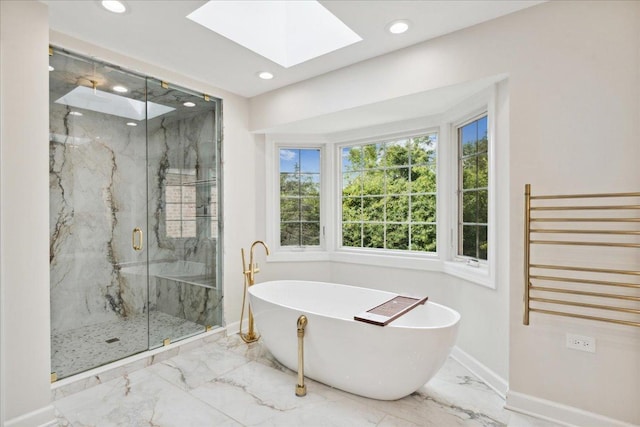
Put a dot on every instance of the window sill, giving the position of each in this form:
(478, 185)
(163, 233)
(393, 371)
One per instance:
(388, 259)
(478, 275)
(301, 255)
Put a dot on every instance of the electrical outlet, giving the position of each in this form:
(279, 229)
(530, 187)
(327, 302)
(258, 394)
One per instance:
(581, 342)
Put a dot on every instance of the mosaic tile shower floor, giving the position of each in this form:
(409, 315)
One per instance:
(229, 383)
(84, 348)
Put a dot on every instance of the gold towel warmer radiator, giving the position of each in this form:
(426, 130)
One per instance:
(599, 296)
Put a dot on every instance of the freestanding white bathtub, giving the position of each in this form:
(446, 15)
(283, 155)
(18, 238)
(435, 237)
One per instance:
(380, 362)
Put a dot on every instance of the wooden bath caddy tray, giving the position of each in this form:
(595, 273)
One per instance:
(386, 312)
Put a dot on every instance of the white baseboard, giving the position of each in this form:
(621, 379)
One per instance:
(490, 378)
(534, 406)
(43, 417)
(559, 413)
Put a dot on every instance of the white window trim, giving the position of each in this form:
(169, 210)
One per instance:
(272, 168)
(377, 256)
(482, 273)
(445, 259)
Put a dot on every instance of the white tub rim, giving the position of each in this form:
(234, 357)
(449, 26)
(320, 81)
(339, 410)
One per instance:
(456, 316)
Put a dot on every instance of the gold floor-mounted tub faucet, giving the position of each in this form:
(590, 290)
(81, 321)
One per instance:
(249, 273)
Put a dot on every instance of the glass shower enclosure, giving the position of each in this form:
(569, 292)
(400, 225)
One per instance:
(134, 213)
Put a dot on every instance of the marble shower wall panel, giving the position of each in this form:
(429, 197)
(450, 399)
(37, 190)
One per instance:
(163, 152)
(98, 195)
(200, 155)
(183, 146)
(180, 146)
(188, 301)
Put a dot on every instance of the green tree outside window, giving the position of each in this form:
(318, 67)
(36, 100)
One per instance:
(389, 194)
(473, 221)
(299, 197)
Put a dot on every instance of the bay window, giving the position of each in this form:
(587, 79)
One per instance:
(416, 194)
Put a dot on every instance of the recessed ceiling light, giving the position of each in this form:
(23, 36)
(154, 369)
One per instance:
(75, 113)
(131, 124)
(51, 68)
(265, 75)
(189, 104)
(398, 27)
(120, 89)
(114, 6)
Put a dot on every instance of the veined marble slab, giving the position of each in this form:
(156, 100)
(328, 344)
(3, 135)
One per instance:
(231, 383)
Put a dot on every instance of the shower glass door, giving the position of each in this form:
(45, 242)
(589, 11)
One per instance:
(98, 214)
(184, 296)
(134, 213)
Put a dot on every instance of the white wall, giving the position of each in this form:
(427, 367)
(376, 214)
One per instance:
(574, 74)
(24, 225)
(578, 114)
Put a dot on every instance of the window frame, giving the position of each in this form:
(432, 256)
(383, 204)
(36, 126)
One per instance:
(460, 190)
(279, 253)
(299, 222)
(337, 148)
(425, 261)
(482, 272)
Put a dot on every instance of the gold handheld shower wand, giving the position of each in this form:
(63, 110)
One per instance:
(249, 273)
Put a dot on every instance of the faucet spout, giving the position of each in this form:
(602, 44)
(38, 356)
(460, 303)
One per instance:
(260, 242)
(253, 267)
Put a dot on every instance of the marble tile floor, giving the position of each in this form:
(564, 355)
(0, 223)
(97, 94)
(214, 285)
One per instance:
(229, 383)
(84, 348)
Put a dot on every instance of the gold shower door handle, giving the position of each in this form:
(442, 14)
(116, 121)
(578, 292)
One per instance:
(137, 246)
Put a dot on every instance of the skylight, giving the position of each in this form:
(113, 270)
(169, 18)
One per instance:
(286, 32)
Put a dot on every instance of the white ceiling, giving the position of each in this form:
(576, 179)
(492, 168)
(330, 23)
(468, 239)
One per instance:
(158, 32)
